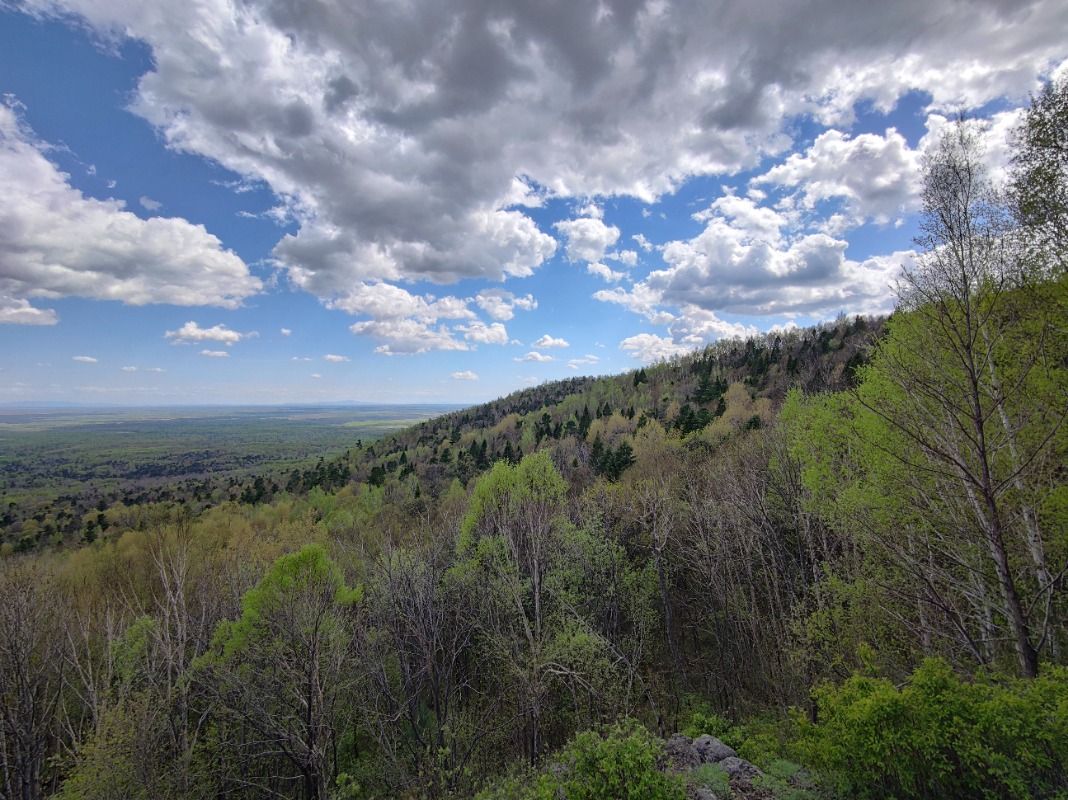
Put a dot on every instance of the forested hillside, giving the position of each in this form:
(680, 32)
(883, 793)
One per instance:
(841, 551)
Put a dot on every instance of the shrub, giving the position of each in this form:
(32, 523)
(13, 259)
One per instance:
(939, 736)
(714, 777)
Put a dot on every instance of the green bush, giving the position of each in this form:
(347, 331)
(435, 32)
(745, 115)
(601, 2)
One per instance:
(939, 736)
(618, 763)
(614, 763)
(786, 780)
(714, 777)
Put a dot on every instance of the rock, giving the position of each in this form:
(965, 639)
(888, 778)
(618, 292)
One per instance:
(700, 793)
(712, 750)
(681, 754)
(739, 768)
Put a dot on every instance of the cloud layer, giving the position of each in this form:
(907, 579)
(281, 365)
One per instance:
(408, 141)
(55, 242)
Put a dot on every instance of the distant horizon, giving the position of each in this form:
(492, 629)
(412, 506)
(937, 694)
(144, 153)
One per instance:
(339, 404)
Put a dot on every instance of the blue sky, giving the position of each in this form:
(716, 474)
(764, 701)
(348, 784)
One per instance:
(274, 203)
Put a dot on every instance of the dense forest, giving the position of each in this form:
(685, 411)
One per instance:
(825, 562)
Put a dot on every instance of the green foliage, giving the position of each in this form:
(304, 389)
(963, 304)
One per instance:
(939, 736)
(308, 571)
(703, 720)
(787, 781)
(618, 763)
(714, 777)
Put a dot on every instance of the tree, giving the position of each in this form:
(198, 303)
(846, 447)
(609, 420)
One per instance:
(1039, 187)
(508, 541)
(970, 393)
(30, 677)
(280, 674)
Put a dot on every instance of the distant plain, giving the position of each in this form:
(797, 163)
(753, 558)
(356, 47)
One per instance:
(57, 450)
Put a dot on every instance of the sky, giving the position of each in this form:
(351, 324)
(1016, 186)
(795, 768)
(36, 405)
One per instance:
(287, 201)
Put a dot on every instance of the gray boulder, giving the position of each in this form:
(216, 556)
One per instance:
(712, 750)
(681, 754)
(739, 768)
(700, 793)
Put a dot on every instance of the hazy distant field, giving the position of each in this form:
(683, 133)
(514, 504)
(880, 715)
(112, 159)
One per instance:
(47, 451)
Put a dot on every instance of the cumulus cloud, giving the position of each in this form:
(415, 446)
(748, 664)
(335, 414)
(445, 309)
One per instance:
(875, 176)
(587, 237)
(149, 204)
(316, 375)
(18, 311)
(750, 259)
(191, 332)
(128, 369)
(480, 332)
(606, 273)
(385, 301)
(406, 141)
(285, 331)
(640, 299)
(535, 356)
(642, 242)
(585, 360)
(745, 261)
(628, 258)
(56, 242)
(501, 305)
(333, 358)
(407, 336)
(649, 348)
(215, 353)
(84, 359)
(465, 375)
(547, 341)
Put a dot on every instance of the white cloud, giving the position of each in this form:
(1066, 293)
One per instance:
(192, 332)
(18, 311)
(215, 353)
(464, 375)
(604, 272)
(333, 358)
(316, 375)
(494, 333)
(501, 305)
(404, 141)
(154, 369)
(744, 261)
(385, 301)
(56, 242)
(628, 258)
(84, 359)
(876, 177)
(300, 358)
(642, 242)
(640, 299)
(587, 238)
(587, 359)
(149, 204)
(128, 369)
(697, 326)
(285, 331)
(649, 348)
(407, 336)
(540, 358)
(547, 341)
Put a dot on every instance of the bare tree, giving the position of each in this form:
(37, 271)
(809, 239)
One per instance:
(31, 650)
(957, 376)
